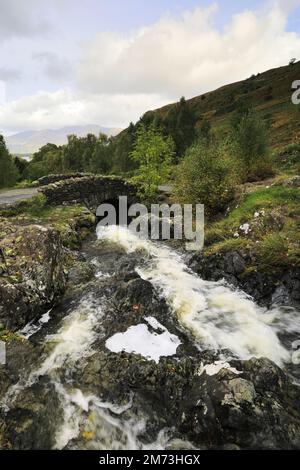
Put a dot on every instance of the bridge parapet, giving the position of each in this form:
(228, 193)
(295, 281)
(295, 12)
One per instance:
(89, 190)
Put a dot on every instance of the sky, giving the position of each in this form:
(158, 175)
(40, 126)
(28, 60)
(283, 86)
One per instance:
(74, 62)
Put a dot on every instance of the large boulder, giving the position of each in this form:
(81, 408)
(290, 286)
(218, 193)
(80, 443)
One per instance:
(32, 272)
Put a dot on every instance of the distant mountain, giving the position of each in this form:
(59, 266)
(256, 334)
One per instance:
(28, 142)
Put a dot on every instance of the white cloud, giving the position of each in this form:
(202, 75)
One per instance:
(66, 107)
(120, 76)
(187, 56)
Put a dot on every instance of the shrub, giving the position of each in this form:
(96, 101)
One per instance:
(153, 152)
(207, 175)
(8, 171)
(37, 205)
(251, 144)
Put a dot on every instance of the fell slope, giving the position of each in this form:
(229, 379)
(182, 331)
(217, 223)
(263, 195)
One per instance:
(269, 92)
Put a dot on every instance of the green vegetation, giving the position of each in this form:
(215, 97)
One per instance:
(8, 336)
(288, 158)
(273, 215)
(207, 175)
(8, 171)
(90, 153)
(274, 251)
(249, 135)
(154, 153)
(103, 155)
(180, 124)
(272, 198)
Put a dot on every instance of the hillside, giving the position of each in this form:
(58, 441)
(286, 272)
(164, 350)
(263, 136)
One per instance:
(270, 92)
(28, 142)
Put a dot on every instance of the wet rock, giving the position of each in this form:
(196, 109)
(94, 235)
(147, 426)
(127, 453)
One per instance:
(240, 391)
(238, 267)
(251, 404)
(259, 409)
(31, 423)
(81, 272)
(21, 356)
(34, 275)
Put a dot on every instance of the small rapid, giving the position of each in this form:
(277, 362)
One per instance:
(218, 317)
(212, 315)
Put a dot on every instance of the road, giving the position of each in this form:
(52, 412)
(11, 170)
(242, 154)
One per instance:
(10, 196)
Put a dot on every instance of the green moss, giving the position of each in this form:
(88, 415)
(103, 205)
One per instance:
(273, 251)
(228, 245)
(276, 245)
(14, 279)
(8, 336)
(267, 198)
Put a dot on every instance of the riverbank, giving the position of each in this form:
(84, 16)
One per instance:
(114, 343)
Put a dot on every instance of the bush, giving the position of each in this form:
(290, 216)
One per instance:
(251, 145)
(153, 152)
(37, 205)
(8, 171)
(208, 176)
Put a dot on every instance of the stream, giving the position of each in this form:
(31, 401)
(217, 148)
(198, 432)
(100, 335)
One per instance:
(81, 390)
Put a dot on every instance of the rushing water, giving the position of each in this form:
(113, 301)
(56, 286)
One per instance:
(218, 317)
(215, 316)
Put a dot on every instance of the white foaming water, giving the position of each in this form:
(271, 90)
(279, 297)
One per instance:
(138, 339)
(90, 422)
(97, 425)
(72, 342)
(33, 327)
(74, 339)
(215, 367)
(218, 317)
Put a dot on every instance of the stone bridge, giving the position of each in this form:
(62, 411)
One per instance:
(89, 190)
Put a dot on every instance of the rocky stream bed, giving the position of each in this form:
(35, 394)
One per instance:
(141, 353)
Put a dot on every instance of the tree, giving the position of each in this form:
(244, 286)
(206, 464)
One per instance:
(101, 159)
(36, 170)
(48, 159)
(8, 171)
(180, 124)
(122, 147)
(251, 144)
(206, 175)
(73, 154)
(21, 165)
(205, 131)
(154, 153)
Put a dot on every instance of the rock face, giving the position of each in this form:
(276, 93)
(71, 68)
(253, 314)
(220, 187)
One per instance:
(32, 272)
(267, 288)
(258, 408)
